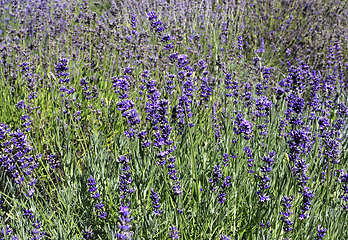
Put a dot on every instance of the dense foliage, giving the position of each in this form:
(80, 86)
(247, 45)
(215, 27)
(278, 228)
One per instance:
(157, 119)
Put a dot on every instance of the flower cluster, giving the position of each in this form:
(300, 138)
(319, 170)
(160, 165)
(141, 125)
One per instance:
(155, 23)
(262, 225)
(124, 225)
(87, 234)
(240, 45)
(15, 154)
(134, 24)
(286, 213)
(263, 107)
(90, 92)
(263, 178)
(183, 108)
(299, 142)
(225, 159)
(222, 193)
(53, 161)
(7, 233)
(173, 233)
(231, 85)
(125, 106)
(95, 195)
(172, 175)
(125, 191)
(61, 69)
(262, 47)
(170, 86)
(224, 237)
(31, 80)
(125, 177)
(68, 100)
(295, 81)
(205, 89)
(168, 74)
(215, 180)
(321, 233)
(35, 232)
(343, 179)
(157, 116)
(243, 127)
(216, 126)
(155, 202)
(249, 154)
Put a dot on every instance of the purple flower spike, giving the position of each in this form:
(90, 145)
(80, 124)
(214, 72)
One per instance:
(321, 233)
(173, 233)
(87, 234)
(95, 195)
(155, 202)
(124, 225)
(285, 215)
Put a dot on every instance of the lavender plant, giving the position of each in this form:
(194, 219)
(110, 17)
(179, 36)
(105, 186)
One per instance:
(173, 119)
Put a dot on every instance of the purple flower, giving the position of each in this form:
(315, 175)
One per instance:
(182, 61)
(124, 225)
(152, 16)
(263, 107)
(177, 188)
(95, 195)
(206, 91)
(243, 127)
(36, 224)
(6, 233)
(125, 177)
(240, 43)
(216, 126)
(321, 233)
(20, 105)
(173, 233)
(87, 234)
(92, 183)
(248, 152)
(300, 143)
(343, 179)
(225, 159)
(62, 70)
(262, 48)
(264, 178)
(53, 161)
(132, 116)
(155, 202)
(295, 105)
(30, 193)
(99, 205)
(231, 85)
(215, 178)
(155, 24)
(16, 158)
(102, 215)
(224, 237)
(222, 194)
(285, 215)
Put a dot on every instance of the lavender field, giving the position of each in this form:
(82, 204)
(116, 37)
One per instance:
(162, 119)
